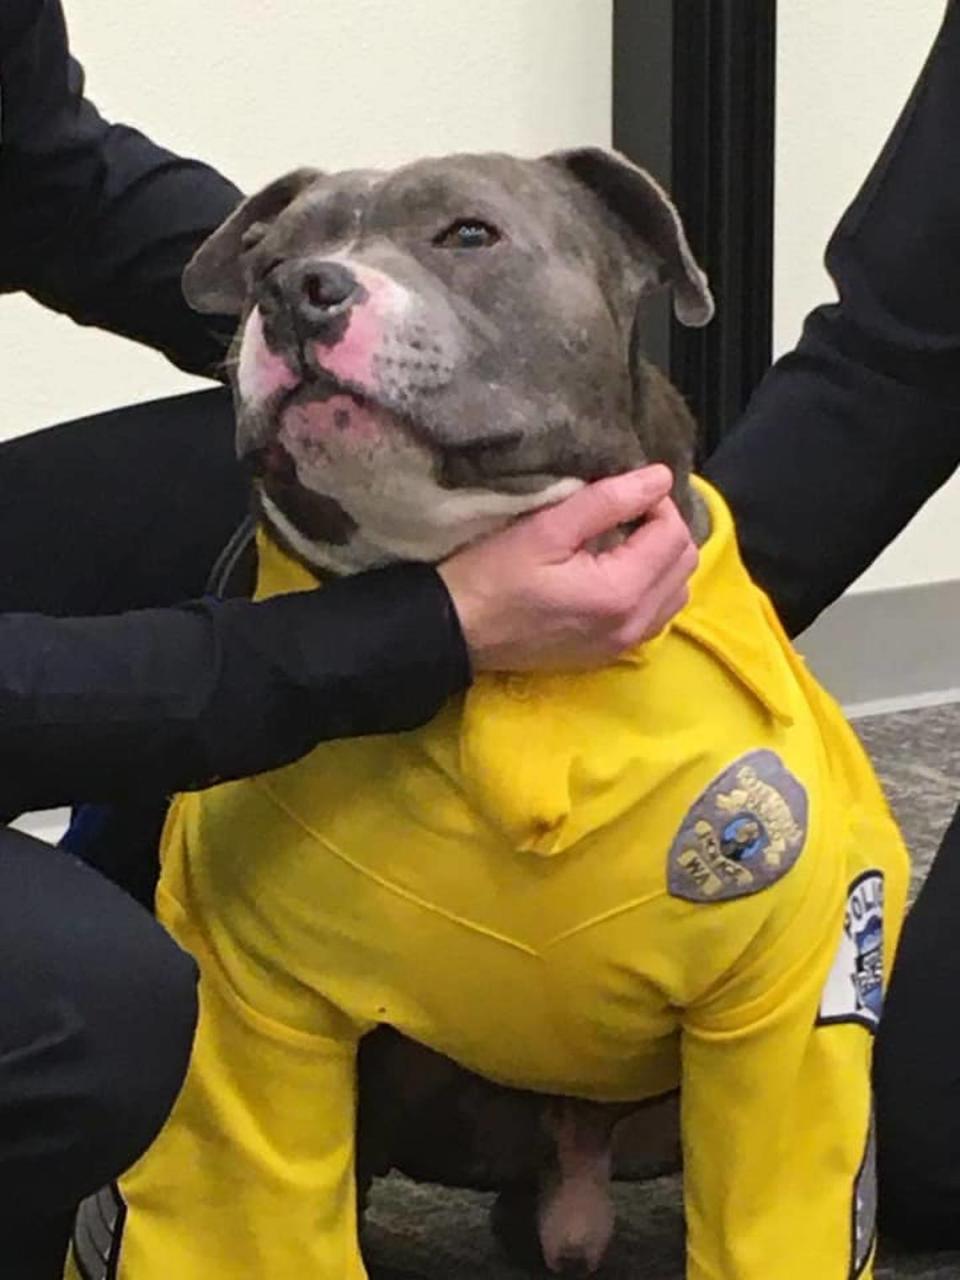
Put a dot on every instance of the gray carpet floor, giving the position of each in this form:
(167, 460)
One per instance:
(426, 1233)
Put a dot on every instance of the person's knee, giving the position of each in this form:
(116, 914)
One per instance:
(918, 1215)
(99, 1008)
(141, 1038)
(919, 1173)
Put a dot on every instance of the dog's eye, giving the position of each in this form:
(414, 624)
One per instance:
(467, 233)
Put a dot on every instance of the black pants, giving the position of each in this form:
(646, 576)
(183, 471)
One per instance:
(97, 1005)
(124, 510)
(917, 1073)
(97, 1011)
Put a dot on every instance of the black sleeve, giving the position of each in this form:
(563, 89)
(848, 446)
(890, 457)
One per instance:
(95, 220)
(164, 700)
(850, 433)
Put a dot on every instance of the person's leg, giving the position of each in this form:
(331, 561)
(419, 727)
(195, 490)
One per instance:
(917, 1066)
(97, 1014)
(123, 510)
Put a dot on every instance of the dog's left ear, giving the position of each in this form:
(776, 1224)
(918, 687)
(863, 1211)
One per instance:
(644, 211)
(213, 278)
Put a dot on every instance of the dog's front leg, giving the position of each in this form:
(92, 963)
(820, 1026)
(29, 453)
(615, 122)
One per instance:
(253, 1174)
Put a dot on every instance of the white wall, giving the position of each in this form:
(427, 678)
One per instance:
(845, 69)
(260, 86)
(256, 86)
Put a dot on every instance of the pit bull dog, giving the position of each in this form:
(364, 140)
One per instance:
(677, 871)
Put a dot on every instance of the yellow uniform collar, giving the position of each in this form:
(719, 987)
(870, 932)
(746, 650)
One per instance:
(539, 754)
(727, 613)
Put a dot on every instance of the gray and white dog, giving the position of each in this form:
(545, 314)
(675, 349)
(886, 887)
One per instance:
(422, 356)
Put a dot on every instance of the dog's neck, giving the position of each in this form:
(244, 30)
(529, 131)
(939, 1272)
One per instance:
(466, 517)
(326, 560)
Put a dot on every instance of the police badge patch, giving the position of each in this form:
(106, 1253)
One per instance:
(854, 987)
(743, 834)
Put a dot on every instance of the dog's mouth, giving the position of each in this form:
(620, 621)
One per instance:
(275, 467)
(319, 415)
(332, 460)
(316, 406)
(316, 385)
(321, 409)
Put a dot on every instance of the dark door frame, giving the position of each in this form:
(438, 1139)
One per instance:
(694, 101)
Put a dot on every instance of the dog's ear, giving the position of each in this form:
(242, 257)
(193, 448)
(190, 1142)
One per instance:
(213, 279)
(645, 212)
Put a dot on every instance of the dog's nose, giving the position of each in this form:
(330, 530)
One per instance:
(313, 294)
(328, 287)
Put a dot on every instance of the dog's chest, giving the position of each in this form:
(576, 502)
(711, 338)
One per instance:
(499, 883)
(495, 885)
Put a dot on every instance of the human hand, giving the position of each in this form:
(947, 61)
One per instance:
(534, 598)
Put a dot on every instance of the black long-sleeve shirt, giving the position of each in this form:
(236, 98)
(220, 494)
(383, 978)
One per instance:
(850, 433)
(98, 222)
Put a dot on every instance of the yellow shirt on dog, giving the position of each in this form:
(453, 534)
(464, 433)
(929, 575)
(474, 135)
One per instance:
(676, 870)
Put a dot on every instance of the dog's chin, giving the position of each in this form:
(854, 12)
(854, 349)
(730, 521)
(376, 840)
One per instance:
(347, 486)
(321, 533)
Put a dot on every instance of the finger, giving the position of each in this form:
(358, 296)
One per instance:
(674, 604)
(676, 573)
(642, 627)
(651, 587)
(665, 598)
(602, 506)
(663, 522)
(661, 545)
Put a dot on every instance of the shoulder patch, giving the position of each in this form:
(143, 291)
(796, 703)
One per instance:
(854, 987)
(743, 834)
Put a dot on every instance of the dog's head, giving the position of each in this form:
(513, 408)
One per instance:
(422, 355)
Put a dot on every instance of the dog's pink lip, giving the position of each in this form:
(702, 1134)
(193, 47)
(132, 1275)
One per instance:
(319, 384)
(272, 463)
